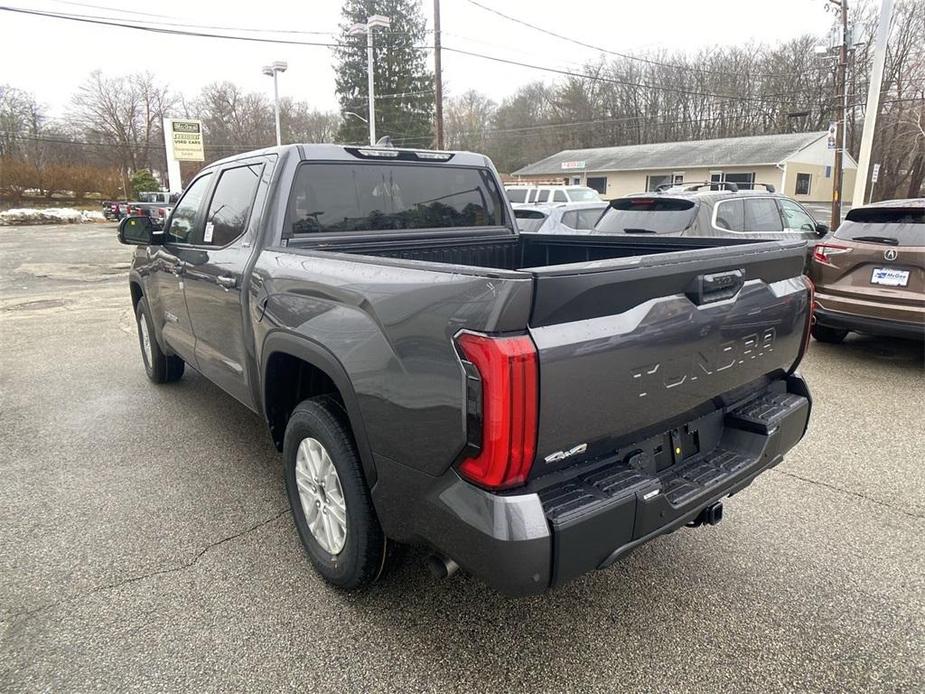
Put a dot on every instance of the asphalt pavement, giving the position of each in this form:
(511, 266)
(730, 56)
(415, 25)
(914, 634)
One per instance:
(145, 541)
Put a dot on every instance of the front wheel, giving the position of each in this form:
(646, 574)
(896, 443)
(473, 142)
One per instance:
(330, 501)
(824, 333)
(160, 367)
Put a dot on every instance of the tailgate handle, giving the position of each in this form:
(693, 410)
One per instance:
(705, 289)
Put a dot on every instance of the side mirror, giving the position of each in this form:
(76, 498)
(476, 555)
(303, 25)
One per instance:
(139, 231)
(821, 230)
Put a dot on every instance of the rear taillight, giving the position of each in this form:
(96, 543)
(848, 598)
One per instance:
(823, 252)
(507, 373)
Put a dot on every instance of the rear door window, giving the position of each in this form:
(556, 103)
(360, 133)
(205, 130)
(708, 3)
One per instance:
(517, 194)
(761, 214)
(361, 197)
(647, 215)
(559, 196)
(543, 196)
(904, 224)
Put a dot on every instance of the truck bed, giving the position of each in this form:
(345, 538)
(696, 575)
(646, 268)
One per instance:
(524, 252)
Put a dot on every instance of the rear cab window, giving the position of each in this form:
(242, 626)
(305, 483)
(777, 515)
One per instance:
(656, 215)
(341, 197)
(904, 224)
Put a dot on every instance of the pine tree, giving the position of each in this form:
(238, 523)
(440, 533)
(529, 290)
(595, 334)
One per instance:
(402, 77)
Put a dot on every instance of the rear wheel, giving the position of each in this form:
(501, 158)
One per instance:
(824, 333)
(160, 367)
(330, 502)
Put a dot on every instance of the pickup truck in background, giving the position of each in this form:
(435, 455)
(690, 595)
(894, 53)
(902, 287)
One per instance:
(153, 204)
(530, 407)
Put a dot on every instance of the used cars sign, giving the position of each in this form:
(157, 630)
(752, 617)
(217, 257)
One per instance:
(186, 138)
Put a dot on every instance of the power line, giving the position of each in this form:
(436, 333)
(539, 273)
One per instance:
(626, 83)
(628, 56)
(160, 30)
(570, 73)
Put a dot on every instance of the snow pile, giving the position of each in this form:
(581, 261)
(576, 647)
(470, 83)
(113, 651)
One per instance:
(50, 215)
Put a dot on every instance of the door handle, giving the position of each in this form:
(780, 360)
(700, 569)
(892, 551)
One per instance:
(226, 282)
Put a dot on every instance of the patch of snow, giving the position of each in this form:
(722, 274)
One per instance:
(49, 215)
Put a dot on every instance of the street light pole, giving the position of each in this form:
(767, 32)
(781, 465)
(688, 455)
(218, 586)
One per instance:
(840, 125)
(273, 71)
(371, 85)
(376, 20)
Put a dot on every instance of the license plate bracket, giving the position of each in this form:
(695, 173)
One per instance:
(889, 277)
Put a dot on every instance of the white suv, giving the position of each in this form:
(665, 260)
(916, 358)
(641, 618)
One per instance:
(550, 194)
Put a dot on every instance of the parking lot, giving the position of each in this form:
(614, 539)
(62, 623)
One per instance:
(145, 540)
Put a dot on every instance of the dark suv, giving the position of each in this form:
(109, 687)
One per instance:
(712, 209)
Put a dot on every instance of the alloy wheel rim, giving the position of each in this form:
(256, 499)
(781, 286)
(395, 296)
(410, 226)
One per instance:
(145, 340)
(321, 496)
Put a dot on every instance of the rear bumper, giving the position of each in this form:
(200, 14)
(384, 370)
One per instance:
(523, 544)
(867, 324)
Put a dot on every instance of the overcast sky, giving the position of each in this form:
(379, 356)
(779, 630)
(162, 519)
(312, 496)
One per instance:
(51, 56)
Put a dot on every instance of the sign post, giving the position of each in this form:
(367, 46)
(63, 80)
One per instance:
(183, 140)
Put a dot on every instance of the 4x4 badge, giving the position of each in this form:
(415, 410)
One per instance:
(890, 254)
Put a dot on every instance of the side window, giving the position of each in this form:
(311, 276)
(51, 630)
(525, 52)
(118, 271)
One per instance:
(559, 196)
(542, 196)
(796, 218)
(570, 219)
(183, 223)
(761, 215)
(587, 219)
(231, 204)
(729, 215)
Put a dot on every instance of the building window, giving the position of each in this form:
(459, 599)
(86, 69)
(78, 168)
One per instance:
(677, 178)
(576, 180)
(743, 180)
(653, 182)
(803, 180)
(598, 183)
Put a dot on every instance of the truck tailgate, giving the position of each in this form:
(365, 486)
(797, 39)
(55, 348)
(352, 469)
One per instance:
(629, 347)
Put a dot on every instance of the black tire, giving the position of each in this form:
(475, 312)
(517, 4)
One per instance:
(824, 333)
(365, 551)
(160, 367)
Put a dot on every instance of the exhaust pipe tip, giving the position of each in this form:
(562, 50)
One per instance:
(441, 567)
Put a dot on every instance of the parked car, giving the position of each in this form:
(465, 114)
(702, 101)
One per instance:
(567, 218)
(115, 210)
(712, 209)
(870, 274)
(550, 194)
(531, 407)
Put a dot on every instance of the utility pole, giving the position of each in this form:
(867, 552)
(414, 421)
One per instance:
(873, 100)
(438, 76)
(841, 92)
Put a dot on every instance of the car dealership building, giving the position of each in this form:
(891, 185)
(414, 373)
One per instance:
(799, 165)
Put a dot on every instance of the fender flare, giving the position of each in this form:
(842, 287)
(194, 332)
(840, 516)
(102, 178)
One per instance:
(321, 358)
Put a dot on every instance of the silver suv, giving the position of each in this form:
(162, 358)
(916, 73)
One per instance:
(711, 209)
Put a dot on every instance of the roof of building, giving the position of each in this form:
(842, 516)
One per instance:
(727, 151)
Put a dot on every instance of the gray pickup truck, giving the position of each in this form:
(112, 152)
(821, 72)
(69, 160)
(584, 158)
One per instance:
(530, 408)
